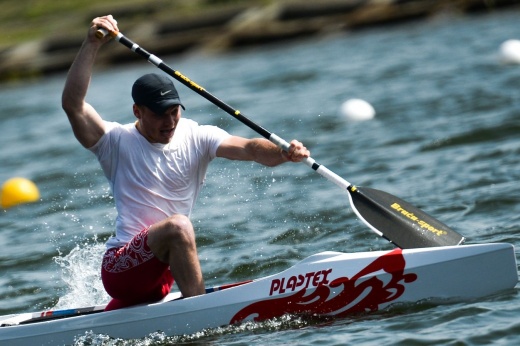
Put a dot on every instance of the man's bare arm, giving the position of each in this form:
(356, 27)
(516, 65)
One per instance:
(261, 150)
(86, 123)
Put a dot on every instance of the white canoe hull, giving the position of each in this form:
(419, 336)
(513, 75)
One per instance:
(325, 284)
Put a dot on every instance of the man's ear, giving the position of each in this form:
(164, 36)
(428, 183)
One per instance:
(137, 111)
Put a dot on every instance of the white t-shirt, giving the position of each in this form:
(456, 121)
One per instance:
(152, 181)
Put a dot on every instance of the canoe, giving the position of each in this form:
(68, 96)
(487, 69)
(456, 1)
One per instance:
(327, 284)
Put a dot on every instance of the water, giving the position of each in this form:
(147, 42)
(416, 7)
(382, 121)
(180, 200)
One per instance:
(445, 138)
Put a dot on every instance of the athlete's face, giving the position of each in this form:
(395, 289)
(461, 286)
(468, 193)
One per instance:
(157, 128)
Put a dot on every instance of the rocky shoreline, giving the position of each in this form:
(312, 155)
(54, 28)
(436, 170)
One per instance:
(230, 27)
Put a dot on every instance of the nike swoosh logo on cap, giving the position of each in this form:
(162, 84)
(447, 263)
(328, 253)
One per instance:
(164, 93)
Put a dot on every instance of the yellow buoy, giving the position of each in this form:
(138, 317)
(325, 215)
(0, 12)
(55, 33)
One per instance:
(17, 191)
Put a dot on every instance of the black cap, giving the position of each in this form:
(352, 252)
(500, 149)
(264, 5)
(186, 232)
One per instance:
(156, 92)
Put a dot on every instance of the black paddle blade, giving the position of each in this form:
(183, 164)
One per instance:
(404, 225)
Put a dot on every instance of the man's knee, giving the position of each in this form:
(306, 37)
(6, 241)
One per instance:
(178, 229)
(170, 236)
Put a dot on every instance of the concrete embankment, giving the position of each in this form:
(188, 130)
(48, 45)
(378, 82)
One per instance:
(224, 28)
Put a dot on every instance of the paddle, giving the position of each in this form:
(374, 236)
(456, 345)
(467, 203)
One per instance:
(390, 217)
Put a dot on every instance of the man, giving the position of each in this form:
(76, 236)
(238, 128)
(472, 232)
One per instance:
(155, 167)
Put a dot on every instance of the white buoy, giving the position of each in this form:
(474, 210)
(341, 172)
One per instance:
(357, 110)
(510, 51)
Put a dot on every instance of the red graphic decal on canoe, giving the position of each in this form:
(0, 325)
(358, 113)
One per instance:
(362, 293)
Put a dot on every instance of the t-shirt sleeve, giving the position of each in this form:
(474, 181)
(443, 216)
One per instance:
(213, 136)
(104, 147)
(103, 143)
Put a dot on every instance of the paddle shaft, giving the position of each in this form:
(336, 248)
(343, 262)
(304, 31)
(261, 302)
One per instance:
(383, 213)
(281, 143)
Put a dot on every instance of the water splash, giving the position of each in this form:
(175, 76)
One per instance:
(81, 272)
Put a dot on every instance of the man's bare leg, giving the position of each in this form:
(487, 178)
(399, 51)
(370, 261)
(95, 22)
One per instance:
(173, 241)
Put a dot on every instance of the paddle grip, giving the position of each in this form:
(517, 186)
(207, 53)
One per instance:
(102, 32)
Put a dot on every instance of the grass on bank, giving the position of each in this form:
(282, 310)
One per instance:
(26, 20)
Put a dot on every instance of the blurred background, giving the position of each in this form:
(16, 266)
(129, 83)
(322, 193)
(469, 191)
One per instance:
(40, 37)
(417, 98)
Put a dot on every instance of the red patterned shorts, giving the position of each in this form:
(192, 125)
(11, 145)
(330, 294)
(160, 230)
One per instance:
(133, 275)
